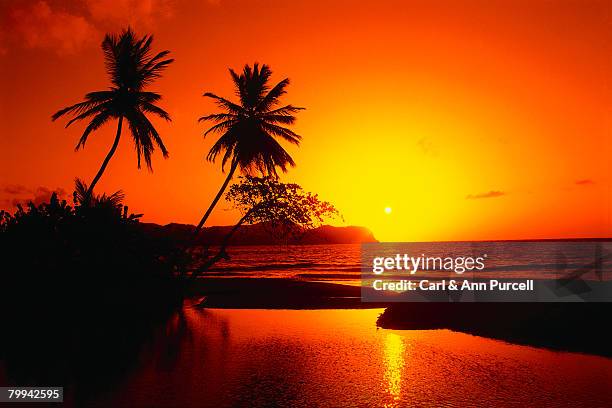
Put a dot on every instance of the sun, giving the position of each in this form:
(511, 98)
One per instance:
(388, 210)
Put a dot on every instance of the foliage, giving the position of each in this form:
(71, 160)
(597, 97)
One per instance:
(249, 128)
(267, 200)
(131, 67)
(56, 245)
(112, 203)
(283, 209)
(81, 289)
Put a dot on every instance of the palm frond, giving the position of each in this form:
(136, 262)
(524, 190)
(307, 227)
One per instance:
(97, 109)
(218, 117)
(99, 120)
(271, 98)
(224, 103)
(141, 136)
(226, 142)
(248, 129)
(221, 127)
(130, 65)
(150, 97)
(283, 132)
(285, 110)
(154, 134)
(101, 96)
(150, 108)
(255, 84)
(80, 191)
(113, 200)
(75, 109)
(282, 119)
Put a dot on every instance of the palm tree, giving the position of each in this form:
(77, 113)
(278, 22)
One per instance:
(131, 67)
(82, 196)
(249, 128)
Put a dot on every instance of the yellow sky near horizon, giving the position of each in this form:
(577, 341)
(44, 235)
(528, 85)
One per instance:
(470, 120)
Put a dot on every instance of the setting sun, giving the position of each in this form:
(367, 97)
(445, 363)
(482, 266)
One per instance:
(457, 100)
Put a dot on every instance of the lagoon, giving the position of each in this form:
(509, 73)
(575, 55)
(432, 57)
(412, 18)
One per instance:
(312, 358)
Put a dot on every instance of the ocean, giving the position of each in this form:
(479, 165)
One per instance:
(343, 263)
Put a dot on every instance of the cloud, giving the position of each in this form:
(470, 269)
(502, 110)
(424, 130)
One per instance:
(66, 28)
(489, 194)
(14, 194)
(16, 189)
(38, 25)
(427, 146)
(43, 194)
(133, 12)
(584, 182)
(3, 49)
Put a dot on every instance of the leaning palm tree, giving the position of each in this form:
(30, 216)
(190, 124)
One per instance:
(249, 128)
(131, 67)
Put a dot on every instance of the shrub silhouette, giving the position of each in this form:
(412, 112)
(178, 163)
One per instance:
(82, 290)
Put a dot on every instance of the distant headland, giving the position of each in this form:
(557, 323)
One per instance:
(262, 234)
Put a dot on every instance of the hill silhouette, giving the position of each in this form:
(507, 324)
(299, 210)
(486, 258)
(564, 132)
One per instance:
(260, 234)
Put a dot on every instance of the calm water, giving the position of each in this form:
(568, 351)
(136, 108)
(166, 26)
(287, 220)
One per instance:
(331, 358)
(517, 259)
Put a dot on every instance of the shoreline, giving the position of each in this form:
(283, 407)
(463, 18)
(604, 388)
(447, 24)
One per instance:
(278, 293)
(571, 327)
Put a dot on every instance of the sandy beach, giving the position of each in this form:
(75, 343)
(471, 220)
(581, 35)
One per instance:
(264, 293)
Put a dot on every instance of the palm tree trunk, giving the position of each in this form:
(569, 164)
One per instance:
(106, 160)
(222, 251)
(214, 202)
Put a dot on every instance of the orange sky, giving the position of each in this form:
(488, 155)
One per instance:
(470, 119)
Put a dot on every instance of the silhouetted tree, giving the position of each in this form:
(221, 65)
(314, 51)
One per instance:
(249, 128)
(284, 207)
(131, 67)
(112, 203)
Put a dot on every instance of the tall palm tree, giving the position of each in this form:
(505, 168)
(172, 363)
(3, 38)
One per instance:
(249, 128)
(131, 67)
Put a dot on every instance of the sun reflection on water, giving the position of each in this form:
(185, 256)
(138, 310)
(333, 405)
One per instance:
(394, 366)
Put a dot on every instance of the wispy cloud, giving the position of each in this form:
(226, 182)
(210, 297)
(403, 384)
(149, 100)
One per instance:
(427, 146)
(14, 194)
(16, 189)
(43, 194)
(584, 182)
(134, 12)
(488, 194)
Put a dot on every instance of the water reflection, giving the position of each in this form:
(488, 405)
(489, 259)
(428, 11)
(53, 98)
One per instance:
(311, 358)
(316, 358)
(394, 363)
